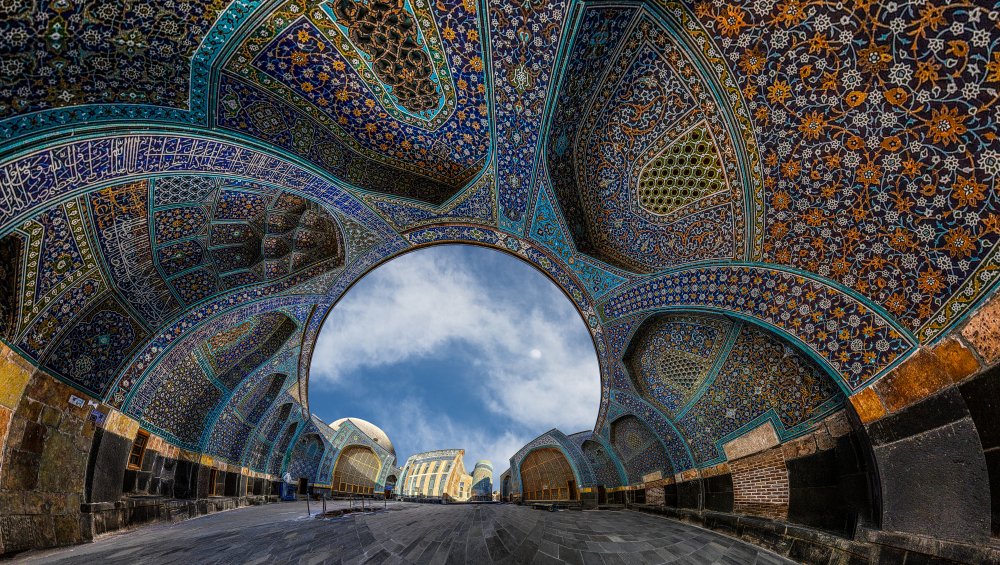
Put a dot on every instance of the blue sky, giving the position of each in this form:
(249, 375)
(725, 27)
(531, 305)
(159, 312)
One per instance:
(457, 346)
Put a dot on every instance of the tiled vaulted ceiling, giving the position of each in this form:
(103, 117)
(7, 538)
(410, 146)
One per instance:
(814, 179)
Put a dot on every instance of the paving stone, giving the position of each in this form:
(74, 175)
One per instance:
(416, 533)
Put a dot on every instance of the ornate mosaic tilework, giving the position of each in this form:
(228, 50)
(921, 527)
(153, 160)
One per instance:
(653, 95)
(673, 355)
(476, 205)
(217, 356)
(201, 63)
(232, 430)
(258, 396)
(280, 334)
(32, 180)
(58, 54)
(547, 229)
(280, 449)
(524, 39)
(278, 418)
(878, 126)
(45, 329)
(602, 462)
(179, 404)
(639, 449)
(855, 340)
(177, 223)
(763, 377)
(408, 115)
(93, 351)
(621, 403)
(306, 455)
(682, 173)
(376, 37)
(57, 275)
(230, 435)
(120, 221)
(248, 109)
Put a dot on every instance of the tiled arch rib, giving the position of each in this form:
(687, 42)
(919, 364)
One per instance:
(851, 337)
(34, 178)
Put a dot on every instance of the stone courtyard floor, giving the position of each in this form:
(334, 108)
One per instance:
(416, 533)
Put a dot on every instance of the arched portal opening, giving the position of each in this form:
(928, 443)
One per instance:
(356, 471)
(457, 337)
(547, 475)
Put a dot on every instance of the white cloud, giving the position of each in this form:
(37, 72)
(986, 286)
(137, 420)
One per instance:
(425, 305)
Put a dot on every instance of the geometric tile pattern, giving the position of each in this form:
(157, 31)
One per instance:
(605, 470)
(673, 354)
(639, 449)
(623, 109)
(683, 172)
(762, 378)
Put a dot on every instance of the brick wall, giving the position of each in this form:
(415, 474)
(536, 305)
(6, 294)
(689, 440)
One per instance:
(760, 484)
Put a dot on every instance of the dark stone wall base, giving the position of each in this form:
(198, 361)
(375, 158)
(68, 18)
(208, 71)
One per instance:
(104, 517)
(808, 545)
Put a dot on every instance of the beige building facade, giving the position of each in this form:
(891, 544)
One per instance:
(437, 474)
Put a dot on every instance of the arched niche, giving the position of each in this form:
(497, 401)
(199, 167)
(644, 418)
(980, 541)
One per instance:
(280, 449)
(356, 471)
(305, 458)
(547, 475)
(255, 404)
(716, 377)
(238, 351)
(640, 451)
(602, 463)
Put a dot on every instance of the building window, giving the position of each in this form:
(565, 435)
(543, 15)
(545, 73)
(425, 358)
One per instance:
(138, 450)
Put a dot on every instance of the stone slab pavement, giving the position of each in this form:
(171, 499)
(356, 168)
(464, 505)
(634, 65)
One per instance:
(416, 533)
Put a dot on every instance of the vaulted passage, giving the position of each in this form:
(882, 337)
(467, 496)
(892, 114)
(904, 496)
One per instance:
(775, 224)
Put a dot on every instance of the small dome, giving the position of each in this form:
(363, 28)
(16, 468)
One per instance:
(484, 463)
(370, 430)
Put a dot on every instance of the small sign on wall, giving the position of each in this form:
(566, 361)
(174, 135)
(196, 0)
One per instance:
(76, 401)
(97, 417)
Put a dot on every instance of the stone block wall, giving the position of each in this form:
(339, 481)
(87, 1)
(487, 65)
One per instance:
(46, 441)
(939, 412)
(65, 479)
